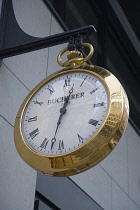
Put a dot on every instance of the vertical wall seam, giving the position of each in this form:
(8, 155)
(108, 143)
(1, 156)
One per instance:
(111, 193)
(114, 180)
(49, 47)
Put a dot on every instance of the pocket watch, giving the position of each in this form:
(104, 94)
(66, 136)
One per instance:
(73, 119)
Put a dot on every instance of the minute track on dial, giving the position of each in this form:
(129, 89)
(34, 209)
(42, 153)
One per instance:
(77, 106)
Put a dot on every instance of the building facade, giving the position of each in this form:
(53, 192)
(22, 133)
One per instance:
(113, 184)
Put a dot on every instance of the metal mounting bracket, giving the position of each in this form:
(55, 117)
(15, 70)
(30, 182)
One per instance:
(14, 41)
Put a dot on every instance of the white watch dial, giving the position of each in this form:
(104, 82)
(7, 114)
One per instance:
(65, 113)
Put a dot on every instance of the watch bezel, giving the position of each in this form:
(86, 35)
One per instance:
(94, 150)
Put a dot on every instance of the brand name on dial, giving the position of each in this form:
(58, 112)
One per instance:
(62, 99)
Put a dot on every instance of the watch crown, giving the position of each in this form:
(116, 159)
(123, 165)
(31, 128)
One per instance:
(74, 54)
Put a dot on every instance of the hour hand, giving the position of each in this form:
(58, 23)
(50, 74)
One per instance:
(62, 111)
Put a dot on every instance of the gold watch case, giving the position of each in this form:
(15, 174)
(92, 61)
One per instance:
(93, 151)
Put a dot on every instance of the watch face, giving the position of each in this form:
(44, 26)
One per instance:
(65, 113)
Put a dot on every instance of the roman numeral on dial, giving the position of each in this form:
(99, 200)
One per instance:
(93, 122)
(50, 88)
(61, 145)
(93, 91)
(34, 133)
(67, 82)
(44, 143)
(32, 119)
(80, 138)
(98, 105)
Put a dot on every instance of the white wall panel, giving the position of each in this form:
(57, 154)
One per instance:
(116, 164)
(120, 200)
(97, 184)
(12, 93)
(17, 179)
(133, 164)
(33, 17)
(29, 68)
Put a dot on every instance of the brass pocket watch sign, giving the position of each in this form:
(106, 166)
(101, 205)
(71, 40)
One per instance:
(73, 119)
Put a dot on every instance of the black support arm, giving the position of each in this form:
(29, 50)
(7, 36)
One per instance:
(46, 42)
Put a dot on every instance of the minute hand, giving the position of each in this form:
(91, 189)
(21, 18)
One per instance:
(62, 112)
